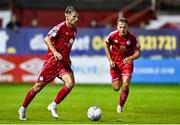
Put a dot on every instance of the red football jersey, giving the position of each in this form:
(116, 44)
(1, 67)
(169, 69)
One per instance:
(122, 47)
(62, 38)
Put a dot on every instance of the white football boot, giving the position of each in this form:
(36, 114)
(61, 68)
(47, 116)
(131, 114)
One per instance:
(22, 113)
(53, 111)
(119, 109)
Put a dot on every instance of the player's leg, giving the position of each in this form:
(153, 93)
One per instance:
(32, 92)
(46, 75)
(116, 84)
(69, 82)
(126, 72)
(29, 97)
(124, 92)
(116, 79)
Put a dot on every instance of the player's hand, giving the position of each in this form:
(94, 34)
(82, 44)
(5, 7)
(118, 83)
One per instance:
(127, 60)
(57, 55)
(112, 64)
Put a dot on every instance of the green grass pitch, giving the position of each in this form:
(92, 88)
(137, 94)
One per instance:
(147, 104)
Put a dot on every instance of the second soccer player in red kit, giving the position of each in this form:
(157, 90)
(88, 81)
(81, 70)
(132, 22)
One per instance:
(57, 64)
(121, 49)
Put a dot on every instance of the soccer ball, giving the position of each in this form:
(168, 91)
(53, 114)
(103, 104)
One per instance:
(94, 113)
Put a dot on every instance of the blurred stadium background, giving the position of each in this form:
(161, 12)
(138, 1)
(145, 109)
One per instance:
(156, 23)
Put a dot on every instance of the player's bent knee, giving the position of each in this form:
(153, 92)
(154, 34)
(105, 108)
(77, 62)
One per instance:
(37, 87)
(125, 86)
(116, 88)
(70, 84)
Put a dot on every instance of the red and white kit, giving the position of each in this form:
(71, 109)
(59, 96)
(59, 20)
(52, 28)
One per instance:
(121, 48)
(62, 38)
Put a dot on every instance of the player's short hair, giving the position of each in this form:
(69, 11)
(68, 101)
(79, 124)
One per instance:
(69, 9)
(122, 19)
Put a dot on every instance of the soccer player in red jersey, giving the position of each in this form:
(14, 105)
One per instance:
(121, 49)
(59, 41)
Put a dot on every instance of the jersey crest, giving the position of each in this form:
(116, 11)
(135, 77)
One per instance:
(71, 41)
(128, 42)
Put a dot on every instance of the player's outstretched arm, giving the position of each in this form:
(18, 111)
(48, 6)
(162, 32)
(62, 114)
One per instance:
(48, 42)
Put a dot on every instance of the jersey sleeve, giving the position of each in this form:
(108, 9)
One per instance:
(136, 44)
(109, 39)
(54, 32)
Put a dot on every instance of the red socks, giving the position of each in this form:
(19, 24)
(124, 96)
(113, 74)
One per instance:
(29, 96)
(62, 94)
(123, 97)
